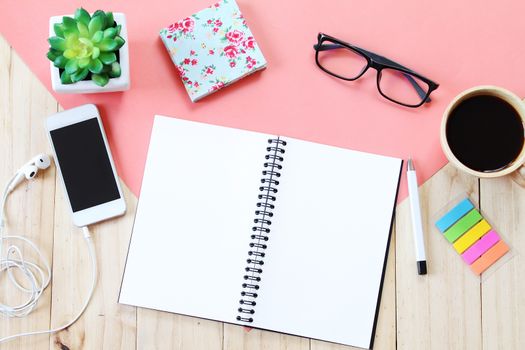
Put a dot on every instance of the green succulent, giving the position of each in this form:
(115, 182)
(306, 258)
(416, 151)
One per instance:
(86, 45)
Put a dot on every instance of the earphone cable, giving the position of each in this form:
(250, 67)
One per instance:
(13, 260)
(37, 277)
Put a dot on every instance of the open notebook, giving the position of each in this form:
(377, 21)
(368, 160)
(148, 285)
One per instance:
(262, 230)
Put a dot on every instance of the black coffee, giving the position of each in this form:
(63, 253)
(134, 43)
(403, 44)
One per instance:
(485, 133)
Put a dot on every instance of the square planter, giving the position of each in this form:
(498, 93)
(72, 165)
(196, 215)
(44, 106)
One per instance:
(121, 83)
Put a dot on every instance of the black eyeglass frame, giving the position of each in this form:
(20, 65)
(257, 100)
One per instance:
(378, 63)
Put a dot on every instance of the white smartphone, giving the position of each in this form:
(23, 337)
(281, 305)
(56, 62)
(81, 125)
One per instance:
(86, 168)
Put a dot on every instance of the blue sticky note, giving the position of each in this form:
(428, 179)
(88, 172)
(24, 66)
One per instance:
(212, 48)
(454, 215)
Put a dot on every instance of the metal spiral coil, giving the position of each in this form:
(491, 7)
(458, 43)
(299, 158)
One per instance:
(261, 228)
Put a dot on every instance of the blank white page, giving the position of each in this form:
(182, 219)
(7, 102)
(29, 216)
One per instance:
(193, 224)
(326, 250)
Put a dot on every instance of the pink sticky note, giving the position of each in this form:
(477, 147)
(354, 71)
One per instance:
(477, 249)
(293, 97)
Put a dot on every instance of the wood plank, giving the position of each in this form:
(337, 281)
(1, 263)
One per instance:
(162, 330)
(441, 310)
(503, 290)
(237, 338)
(26, 103)
(105, 324)
(23, 104)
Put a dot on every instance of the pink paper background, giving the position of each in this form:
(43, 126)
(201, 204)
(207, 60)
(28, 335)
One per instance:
(456, 43)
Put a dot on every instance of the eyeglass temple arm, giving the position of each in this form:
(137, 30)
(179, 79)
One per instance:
(413, 82)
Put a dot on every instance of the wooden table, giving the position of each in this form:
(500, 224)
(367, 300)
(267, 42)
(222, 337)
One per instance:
(449, 308)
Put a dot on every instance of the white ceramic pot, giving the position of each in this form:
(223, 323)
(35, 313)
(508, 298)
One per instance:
(121, 83)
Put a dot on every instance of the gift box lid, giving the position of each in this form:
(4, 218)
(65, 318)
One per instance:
(212, 49)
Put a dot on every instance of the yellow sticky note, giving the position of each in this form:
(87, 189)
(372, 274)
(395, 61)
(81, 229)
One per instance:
(472, 236)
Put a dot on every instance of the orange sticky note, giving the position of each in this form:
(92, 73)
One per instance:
(490, 257)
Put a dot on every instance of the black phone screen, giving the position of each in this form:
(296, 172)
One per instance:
(85, 164)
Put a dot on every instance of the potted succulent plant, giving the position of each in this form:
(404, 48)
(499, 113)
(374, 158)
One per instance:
(88, 53)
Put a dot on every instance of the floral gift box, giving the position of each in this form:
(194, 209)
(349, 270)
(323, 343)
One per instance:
(212, 49)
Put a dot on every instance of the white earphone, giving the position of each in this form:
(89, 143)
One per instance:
(32, 278)
(29, 170)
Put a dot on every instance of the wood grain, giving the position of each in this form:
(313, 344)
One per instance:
(105, 324)
(503, 291)
(442, 309)
(450, 308)
(161, 330)
(23, 105)
(238, 338)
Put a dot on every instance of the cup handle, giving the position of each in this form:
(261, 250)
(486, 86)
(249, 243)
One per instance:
(519, 174)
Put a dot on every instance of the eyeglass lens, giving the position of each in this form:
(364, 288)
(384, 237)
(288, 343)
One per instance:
(340, 60)
(402, 87)
(346, 63)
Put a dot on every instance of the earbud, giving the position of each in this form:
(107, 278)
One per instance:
(41, 161)
(30, 169)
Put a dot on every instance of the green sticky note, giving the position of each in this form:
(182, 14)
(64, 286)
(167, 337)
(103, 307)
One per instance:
(462, 225)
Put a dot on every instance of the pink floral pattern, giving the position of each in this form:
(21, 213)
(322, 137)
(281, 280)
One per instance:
(214, 24)
(235, 36)
(212, 48)
(183, 28)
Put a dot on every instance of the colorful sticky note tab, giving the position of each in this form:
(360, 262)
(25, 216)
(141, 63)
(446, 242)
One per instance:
(490, 257)
(454, 215)
(485, 243)
(471, 236)
(462, 225)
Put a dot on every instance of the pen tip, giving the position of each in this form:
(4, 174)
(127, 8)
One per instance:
(410, 165)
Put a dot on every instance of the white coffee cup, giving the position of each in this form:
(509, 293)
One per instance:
(516, 168)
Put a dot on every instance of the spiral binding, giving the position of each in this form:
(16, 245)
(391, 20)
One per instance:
(261, 229)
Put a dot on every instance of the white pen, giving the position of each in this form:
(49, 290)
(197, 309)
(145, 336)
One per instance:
(417, 226)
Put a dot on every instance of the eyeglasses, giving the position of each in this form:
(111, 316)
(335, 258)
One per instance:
(394, 82)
